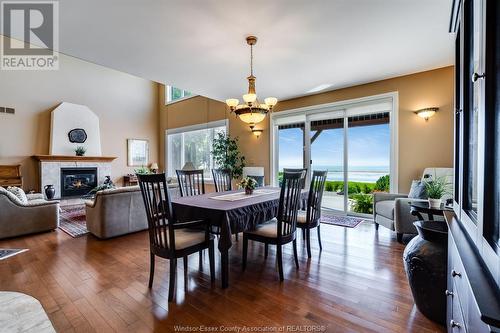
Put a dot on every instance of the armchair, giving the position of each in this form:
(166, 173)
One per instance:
(392, 210)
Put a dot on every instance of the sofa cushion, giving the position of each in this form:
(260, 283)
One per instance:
(19, 193)
(417, 190)
(385, 208)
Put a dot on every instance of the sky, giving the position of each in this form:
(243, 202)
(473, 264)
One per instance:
(368, 146)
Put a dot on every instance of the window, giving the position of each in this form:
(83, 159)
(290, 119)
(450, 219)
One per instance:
(173, 94)
(192, 145)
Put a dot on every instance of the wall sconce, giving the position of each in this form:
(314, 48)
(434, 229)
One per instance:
(426, 113)
(256, 132)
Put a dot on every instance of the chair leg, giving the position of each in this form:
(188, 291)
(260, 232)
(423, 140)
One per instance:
(171, 283)
(185, 260)
(376, 226)
(236, 237)
(200, 260)
(266, 250)
(280, 262)
(308, 240)
(151, 269)
(304, 234)
(245, 252)
(319, 238)
(295, 253)
(399, 237)
(211, 259)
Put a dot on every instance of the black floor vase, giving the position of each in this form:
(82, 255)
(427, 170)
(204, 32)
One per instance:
(425, 261)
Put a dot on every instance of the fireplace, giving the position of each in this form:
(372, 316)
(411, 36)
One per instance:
(77, 181)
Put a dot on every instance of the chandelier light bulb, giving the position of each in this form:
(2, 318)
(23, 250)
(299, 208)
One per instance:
(232, 102)
(249, 98)
(271, 101)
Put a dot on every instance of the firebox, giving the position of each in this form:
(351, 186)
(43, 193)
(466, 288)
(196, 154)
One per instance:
(77, 181)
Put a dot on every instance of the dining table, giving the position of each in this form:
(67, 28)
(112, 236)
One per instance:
(232, 212)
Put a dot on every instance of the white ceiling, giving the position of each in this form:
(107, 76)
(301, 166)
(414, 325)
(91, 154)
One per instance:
(200, 45)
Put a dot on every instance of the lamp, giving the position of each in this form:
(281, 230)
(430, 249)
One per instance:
(154, 167)
(256, 132)
(251, 111)
(426, 113)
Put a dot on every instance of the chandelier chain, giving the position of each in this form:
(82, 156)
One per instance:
(251, 60)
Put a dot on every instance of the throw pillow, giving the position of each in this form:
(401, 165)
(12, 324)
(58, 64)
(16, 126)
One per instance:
(19, 193)
(417, 190)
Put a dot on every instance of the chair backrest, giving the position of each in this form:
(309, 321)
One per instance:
(289, 203)
(158, 210)
(315, 198)
(191, 182)
(297, 170)
(222, 180)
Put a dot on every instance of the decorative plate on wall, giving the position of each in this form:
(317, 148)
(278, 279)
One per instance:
(77, 135)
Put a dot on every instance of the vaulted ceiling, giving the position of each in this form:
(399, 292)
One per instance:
(303, 46)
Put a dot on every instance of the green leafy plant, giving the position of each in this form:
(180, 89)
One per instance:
(329, 187)
(80, 151)
(363, 203)
(383, 184)
(437, 187)
(143, 171)
(248, 183)
(227, 155)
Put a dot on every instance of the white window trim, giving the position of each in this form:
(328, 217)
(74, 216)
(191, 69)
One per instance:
(336, 107)
(168, 96)
(191, 128)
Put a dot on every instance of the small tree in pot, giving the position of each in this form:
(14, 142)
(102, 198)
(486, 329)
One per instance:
(227, 155)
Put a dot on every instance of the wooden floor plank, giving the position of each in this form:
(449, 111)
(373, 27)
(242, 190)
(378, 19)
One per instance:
(356, 284)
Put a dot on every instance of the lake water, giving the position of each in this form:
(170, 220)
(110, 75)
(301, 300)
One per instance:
(365, 174)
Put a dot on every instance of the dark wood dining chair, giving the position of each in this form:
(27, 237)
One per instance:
(297, 170)
(282, 229)
(222, 180)
(169, 238)
(191, 182)
(310, 218)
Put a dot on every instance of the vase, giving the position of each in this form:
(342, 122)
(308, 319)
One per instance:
(50, 192)
(248, 191)
(425, 261)
(434, 203)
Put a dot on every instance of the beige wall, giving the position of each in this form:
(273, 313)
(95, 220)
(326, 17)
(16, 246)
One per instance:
(127, 107)
(421, 144)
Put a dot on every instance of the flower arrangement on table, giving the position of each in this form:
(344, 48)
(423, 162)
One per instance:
(436, 188)
(249, 184)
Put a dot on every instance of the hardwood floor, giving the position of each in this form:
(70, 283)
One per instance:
(357, 284)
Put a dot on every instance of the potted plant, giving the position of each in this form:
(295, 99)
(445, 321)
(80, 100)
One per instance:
(80, 151)
(435, 190)
(227, 155)
(249, 184)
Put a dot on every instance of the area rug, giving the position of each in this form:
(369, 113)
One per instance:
(72, 220)
(343, 221)
(6, 253)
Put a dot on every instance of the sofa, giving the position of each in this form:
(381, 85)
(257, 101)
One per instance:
(19, 218)
(116, 212)
(393, 210)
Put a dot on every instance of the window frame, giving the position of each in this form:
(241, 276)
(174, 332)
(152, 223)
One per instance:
(187, 129)
(168, 95)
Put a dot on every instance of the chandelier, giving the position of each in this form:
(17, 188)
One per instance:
(251, 111)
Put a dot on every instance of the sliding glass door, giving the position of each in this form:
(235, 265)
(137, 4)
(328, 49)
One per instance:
(327, 137)
(354, 144)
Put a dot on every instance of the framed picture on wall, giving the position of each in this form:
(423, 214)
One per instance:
(138, 152)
